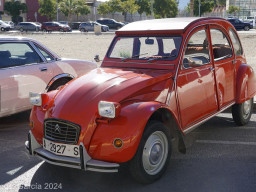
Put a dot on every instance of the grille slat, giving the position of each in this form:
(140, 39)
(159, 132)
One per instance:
(61, 131)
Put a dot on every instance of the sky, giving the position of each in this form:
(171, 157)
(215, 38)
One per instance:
(182, 4)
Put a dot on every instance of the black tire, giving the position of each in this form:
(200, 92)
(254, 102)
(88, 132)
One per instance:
(82, 30)
(2, 29)
(61, 30)
(44, 30)
(246, 28)
(21, 29)
(58, 84)
(153, 154)
(242, 112)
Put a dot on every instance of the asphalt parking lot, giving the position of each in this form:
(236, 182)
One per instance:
(221, 157)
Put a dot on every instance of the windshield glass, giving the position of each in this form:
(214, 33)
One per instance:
(145, 48)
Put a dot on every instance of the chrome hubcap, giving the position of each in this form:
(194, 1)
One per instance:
(247, 108)
(155, 153)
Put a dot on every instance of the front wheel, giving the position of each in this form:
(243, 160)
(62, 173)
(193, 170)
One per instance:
(2, 29)
(153, 154)
(242, 112)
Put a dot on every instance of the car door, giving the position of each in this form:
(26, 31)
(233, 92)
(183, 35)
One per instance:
(224, 62)
(23, 69)
(196, 88)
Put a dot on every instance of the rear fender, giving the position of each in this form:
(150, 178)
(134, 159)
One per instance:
(245, 83)
(128, 126)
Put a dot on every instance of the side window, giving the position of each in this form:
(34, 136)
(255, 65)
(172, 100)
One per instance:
(197, 50)
(236, 43)
(220, 45)
(47, 56)
(15, 54)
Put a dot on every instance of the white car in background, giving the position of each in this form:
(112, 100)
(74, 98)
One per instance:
(4, 26)
(28, 66)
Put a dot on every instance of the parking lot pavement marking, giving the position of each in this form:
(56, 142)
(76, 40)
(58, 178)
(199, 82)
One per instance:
(226, 142)
(15, 184)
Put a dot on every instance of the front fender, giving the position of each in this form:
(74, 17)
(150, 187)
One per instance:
(245, 83)
(128, 126)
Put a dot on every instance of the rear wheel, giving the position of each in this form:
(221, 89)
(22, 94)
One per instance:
(58, 84)
(246, 28)
(61, 30)
(2, 29)
(153, 154)
(44, 30)
(82, 30)
(242, 112)
(21, 29)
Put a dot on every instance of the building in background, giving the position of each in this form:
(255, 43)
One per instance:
(247, 7)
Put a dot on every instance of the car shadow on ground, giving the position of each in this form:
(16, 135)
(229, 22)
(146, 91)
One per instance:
(204, 167)
(14, 158)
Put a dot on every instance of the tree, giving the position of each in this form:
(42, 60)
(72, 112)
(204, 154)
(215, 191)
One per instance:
(48, 8)
(233, 9)
(191, 8)
(129, 6)
(103, 8)
(81, 8)
(15, 8)
(221, 2)
(70, 7)
(115, 6)
(206, 7)
(144, 7)
(165, 8)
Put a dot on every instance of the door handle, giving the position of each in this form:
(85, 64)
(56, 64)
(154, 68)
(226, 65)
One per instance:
(43, 68)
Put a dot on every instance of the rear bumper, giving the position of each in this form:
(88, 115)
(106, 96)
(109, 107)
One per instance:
(85, 162)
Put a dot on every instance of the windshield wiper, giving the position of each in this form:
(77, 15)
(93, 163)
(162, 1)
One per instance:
(126, 58)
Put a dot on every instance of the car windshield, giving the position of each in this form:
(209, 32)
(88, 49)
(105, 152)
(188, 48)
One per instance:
(146, 48)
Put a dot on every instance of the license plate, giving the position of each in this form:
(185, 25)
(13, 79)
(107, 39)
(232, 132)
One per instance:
(61, 149)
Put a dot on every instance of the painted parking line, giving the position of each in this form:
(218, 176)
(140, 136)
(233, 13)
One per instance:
(226, 142)
(22, 181)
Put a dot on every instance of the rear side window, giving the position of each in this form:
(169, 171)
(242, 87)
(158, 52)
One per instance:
(236, 43)
(220, 45)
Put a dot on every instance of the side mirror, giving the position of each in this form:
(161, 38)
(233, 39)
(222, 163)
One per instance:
(97, 58)
(149, 41)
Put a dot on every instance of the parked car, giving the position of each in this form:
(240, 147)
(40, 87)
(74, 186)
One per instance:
(26, 65)
(27, 26)
(75, 25)
(238, 24)
(111, 23)
(159, 80)
(4, 26)
(55, 26)
(89, 26)
(11, 24)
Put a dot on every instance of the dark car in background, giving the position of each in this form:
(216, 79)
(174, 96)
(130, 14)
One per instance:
(75, 25)
(111, 23)
(55, 26)
(89, 26)
(27, 26)
(238, 24)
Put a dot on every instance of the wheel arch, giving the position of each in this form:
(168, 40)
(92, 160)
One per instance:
(129, 126)
(58, 77)
(245, 83)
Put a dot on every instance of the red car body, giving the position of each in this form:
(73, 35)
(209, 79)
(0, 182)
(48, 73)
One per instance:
(175, 91)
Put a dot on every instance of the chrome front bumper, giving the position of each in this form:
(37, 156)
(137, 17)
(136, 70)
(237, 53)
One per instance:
(85, 162)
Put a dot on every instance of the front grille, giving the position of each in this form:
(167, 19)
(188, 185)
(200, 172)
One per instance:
(61, 131)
